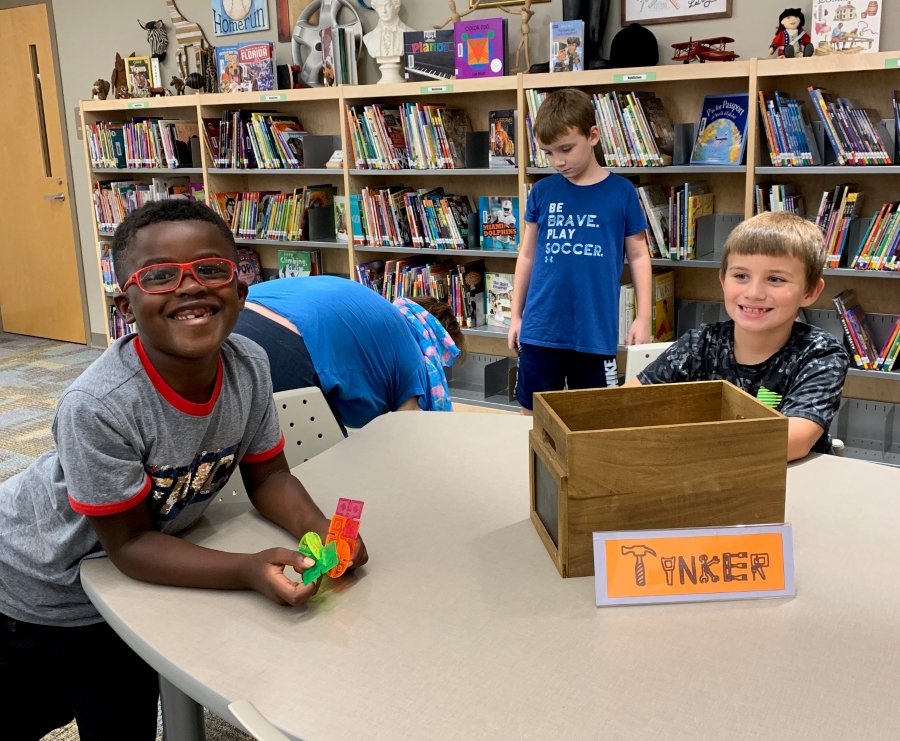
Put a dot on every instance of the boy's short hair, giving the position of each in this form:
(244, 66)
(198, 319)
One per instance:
(447, 317)
(156, 212)
(562, 110)
(779, 234)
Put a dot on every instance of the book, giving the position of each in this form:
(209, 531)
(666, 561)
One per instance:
(845, 26)
(722, 134)
(470, 301)
(244, 68)
(854, 133)
(499, 222)
(857, 334)
(429, 55)
(340, 218)
(656, 208)
(503, 138)
(481, 48)
(294, 263)
(249, 267)
(566, 46)
(456, 126)
(139, 76)
(662, 325)
(659, 124)
(627, 311)
(498, 298)
(371, 274)
(789, 135)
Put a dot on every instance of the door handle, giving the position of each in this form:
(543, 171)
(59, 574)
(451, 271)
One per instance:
(57, 197)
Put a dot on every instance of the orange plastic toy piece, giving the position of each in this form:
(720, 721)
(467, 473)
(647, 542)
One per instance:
(343, 532)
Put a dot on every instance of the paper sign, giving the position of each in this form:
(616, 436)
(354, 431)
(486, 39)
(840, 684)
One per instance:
(428, 89)
(891, 63)
(693, 565)
(273, 96)
(644, 77)
(140, 104)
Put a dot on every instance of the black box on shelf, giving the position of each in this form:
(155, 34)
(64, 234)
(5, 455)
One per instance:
(712, 231)
(317, 150)
(478, 149)
(320, 224)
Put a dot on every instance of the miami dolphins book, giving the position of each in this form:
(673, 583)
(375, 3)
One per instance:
(722, 134)
(480, 48)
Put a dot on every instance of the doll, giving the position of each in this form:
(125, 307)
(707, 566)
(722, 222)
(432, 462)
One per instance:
(790, 38)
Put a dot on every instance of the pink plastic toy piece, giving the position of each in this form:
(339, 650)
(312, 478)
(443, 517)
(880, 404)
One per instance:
(349, 508)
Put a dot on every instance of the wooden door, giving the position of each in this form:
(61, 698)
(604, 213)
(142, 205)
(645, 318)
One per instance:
(40, 291)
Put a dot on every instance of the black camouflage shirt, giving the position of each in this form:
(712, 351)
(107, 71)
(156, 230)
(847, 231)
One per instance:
(803, 379)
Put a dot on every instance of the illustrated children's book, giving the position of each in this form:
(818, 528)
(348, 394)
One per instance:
(249, 269)
(498, 298)
(456, 126)
(140, 79)
(499, 222)
(503, 138)
(566, 46)
(722, 134)
(294, 263)
(340, 218)
(662, 326)
(480, 48)
(429, 55)
(845, 26)
(243, 68)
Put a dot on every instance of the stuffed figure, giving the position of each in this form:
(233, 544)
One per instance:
(790, 38)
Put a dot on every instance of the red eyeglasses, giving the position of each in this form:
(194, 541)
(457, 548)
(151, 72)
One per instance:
(166, 277)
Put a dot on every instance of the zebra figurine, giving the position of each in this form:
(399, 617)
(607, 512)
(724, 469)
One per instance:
(157, 37)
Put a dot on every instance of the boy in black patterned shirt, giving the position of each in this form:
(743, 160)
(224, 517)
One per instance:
(771, 268)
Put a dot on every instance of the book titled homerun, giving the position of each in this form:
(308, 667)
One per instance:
(243, 68)
(722, 134)
(480, 48)
(429, 55)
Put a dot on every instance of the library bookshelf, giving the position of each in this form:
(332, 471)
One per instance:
(867, 78)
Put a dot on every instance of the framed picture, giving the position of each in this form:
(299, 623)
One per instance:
(498, 3)
(140, 79)
(239, 16)
(286, 13)
(648, 12)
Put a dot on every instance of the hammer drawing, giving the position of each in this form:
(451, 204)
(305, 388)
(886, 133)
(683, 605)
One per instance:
(638, 551)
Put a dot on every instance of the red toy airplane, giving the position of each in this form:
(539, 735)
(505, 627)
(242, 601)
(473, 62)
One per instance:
(706, 50)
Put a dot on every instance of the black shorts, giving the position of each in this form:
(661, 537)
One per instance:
(551, 369)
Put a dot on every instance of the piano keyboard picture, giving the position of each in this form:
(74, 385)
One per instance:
(429, 55)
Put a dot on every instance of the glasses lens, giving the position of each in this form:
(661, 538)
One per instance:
(159, 277)
(213, 272)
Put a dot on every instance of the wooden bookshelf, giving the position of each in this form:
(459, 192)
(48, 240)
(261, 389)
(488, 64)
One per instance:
(866, 78)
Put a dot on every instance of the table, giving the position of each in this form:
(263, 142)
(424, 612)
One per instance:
(461, 628)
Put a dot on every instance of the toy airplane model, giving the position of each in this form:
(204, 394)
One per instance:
(706, 50)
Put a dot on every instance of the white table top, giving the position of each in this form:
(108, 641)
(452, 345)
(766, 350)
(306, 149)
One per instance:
(461, 628)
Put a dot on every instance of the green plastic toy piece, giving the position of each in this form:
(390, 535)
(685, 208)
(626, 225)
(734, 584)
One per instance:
(326, 557)
(329, 557)
(311, 545)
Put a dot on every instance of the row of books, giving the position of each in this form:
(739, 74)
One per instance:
(143, 142)
(634, 129)
(339, 56)
(673, 217)
(853, 132)
(255, 139)
(114, 200)
(778, 197)
(859, 338)
(271, 214)
(788, 131)
(108, 270)
(662, 318)
(116, 324)
(838, 209)
(880, 246)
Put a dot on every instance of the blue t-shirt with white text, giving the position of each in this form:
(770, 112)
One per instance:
(573, 296)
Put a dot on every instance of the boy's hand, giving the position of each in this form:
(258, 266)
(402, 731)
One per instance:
(515, 326)
(639, 334)
(359, 557)
(264, 573)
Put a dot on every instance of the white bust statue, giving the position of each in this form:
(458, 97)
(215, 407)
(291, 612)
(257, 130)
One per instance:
(386, 39)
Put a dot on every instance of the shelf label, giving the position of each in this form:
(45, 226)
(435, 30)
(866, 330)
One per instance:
(429, 89)
(643, 77)
(272, 97)
(891, 63)
(140, 104)
(708, 564)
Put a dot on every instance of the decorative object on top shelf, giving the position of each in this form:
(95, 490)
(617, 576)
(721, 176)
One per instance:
(594, 14)
(634, 46)
(430, 55)
(706, 50)
(845, 26)
(100, 90)
(647, 12)
(480, 48)
(186, 33)
(157, 37)
(178, 84)
(526, 14)
(239, 16)
(194, 81)
(791, 40)
(722, 133)
(385, 42)
(306, 43)
(456, 16)
(119, 79)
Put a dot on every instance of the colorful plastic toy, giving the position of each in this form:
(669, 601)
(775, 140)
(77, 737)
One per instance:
(333, 557)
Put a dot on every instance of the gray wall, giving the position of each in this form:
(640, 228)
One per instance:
(90, 32)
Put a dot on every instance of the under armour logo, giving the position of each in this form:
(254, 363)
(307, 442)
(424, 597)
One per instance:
(548, 258)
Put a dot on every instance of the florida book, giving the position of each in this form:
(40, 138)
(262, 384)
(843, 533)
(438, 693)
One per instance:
(499, 222)
(429, 55)
(480, 48)
(722, 134)
(566, 46)
(498, 297)
(244, 68)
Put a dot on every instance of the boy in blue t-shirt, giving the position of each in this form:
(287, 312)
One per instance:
(565, 309)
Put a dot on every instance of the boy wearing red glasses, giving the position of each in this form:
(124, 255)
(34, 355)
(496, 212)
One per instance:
(145, 437)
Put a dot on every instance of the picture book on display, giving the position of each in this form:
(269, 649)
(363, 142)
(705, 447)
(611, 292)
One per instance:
(499, 222)
(503, 138)
(243, 68)
(481, 48)
(845, 26)
(249, 268)
(299, 263)
(662, 325)
(340, 218)
(139, 76)
(429, 55)
(498, 297)
(722, 135)
(567, 46)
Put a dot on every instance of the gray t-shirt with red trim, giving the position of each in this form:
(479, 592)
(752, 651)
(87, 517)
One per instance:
(123, 435)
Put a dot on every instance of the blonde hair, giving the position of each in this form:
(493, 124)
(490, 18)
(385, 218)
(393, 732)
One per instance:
(779, 234)
(562, 110)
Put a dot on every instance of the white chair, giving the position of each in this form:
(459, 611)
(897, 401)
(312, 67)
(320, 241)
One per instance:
(308, 426)
(638, 357)
(254, 723)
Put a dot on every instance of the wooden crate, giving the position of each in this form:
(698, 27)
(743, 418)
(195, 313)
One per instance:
(665, 456)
